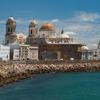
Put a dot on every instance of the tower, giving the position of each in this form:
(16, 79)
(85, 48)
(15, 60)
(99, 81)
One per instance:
(10, 36)
(32, 28)
(32, 32)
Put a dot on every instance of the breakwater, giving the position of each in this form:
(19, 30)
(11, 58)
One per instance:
(16, 70)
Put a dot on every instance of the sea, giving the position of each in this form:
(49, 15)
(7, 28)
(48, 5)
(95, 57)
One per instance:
(59, 86)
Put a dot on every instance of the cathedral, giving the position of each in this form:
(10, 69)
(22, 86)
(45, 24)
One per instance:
(51, 45)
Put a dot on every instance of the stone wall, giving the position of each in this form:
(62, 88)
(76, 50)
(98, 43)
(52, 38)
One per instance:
(13, 71)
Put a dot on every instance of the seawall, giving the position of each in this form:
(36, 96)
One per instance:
(15, 70)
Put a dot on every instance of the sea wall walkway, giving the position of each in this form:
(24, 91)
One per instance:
(14, 70)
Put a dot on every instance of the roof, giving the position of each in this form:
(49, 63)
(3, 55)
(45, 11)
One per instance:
(47, 27)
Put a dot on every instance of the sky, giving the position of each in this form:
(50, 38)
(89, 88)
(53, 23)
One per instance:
(81, 18)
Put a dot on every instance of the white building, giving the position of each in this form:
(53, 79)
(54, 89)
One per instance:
(33, 53)
(28, 52)
(86, 53)
(96, 53)
(93, 54)
(4, 53)
(16, 54)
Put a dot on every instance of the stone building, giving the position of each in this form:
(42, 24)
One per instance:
(53, 45)
(86, 53)
(50, 44)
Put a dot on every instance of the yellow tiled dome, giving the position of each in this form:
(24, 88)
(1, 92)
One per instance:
(47, 27)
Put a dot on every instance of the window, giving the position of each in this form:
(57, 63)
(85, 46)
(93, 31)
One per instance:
(7, 41)
(95, 52)
(8, 29)
(31, 31)
(11, 29)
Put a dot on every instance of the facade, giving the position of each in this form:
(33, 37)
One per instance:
(59, 51)
(93, 54)
(33, 53)
(23, 52)
(96, 53)
(4, 53)
(16, 54)
(43, 42)
(27, 52)
(87, 55)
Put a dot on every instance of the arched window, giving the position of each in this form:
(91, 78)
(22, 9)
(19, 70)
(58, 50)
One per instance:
(8, 29)
(11, 30)
(31, 31)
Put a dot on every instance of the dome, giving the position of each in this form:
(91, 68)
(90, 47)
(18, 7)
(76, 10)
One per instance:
(33, 23)
(21, 37)
(84, 48)
(47, 27)
(11, 19)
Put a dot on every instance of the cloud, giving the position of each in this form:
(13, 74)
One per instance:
(91, 17)
(22, 21)
(55, 20)
(85, 26)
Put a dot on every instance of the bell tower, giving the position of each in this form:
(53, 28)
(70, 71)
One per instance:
(10, 36)
(32, 28)
(32, 32)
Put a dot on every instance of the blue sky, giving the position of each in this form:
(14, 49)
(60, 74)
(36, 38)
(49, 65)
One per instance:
(82, 17)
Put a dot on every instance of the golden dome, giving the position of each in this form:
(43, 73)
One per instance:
(47, 27)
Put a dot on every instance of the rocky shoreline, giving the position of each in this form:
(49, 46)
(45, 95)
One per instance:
(14, 71)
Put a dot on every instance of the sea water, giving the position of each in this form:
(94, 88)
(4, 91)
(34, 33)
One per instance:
(61, 86)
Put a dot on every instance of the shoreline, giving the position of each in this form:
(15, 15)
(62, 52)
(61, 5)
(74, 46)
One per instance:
(14, 71)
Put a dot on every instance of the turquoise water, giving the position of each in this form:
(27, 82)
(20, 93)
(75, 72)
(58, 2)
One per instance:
(65, 86)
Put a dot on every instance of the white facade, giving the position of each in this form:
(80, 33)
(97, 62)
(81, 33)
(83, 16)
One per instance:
(16, 54)
(91, 54)
(4, 53)
(33, 53)
(96, 54)
(23, 52)
(87, 55)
